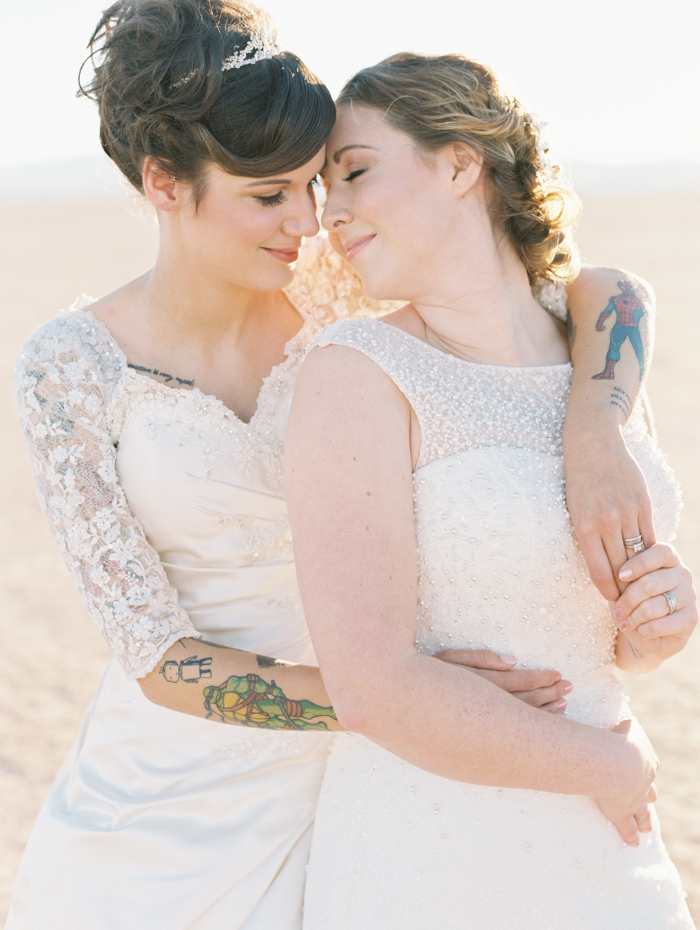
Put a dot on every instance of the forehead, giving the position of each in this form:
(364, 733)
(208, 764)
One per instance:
(361, 127)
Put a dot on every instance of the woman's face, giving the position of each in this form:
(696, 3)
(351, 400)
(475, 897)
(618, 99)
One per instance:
(248, 231)
(389, 207)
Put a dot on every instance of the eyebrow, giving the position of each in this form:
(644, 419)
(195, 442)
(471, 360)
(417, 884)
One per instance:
(337, 155)
(269, 181)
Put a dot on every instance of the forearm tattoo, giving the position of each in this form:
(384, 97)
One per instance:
(252, 702)
(161, 374)
(621, 399)
(248, 700)
(628, 307)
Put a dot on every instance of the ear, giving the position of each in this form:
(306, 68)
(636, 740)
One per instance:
(466, 167)
(160, 185)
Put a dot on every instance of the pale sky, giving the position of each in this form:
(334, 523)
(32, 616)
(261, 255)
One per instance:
(618, 81)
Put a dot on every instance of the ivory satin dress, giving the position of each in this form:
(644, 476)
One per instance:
(171, 515)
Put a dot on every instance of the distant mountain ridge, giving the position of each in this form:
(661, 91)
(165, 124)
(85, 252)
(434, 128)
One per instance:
(95, 178)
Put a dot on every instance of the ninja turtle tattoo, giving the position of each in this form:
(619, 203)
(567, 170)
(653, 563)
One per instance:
(252, 702)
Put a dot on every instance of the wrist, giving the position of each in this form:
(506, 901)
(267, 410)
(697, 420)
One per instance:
(600, 425)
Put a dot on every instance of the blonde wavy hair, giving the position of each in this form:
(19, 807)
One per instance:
(440, 100)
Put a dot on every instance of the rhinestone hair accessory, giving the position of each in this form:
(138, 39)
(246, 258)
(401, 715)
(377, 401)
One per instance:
(263, 44)
(538, 127)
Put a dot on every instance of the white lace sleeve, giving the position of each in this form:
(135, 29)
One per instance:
(61, 388)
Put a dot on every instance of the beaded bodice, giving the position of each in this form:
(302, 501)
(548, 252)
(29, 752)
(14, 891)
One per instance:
(499, 566)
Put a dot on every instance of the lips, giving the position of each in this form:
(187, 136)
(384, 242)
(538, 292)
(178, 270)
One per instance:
(288, 256)
(354, 246)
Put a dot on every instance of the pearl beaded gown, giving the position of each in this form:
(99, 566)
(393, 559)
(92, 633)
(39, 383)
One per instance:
(397, 848)
(171, 514)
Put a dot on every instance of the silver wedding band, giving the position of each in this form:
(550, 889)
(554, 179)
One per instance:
(671, 601)
(634, 543)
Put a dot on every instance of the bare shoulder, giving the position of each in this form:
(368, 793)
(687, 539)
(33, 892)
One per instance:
(341, 378)
(118, 308)
(603, 282)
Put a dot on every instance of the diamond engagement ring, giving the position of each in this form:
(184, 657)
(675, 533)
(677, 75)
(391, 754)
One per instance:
(634, 543)
(671, 601)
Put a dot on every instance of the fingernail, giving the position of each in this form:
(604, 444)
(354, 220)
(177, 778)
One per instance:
(618, 613)
(624, 574)
(624, 626)
(568, 688)
(510, 659)
(561, 705)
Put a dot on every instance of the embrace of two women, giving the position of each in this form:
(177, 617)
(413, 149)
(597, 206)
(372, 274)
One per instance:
(403, 398)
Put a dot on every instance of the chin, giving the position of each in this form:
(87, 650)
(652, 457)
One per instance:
(378, 287)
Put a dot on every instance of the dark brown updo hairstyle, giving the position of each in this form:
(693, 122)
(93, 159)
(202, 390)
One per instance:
(439, 100)
(161, 91)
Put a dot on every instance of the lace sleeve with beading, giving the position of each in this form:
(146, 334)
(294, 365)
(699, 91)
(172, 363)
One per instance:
(62, 381)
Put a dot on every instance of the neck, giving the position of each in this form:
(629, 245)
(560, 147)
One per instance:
(482, 308)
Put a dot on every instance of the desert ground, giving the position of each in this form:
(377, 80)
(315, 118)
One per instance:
(52, 252)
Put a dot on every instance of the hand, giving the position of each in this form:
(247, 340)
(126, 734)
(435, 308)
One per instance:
(542, 689)
(627, 808)
(642, 612)
(608, 501)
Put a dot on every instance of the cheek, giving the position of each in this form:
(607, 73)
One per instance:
(239, 227)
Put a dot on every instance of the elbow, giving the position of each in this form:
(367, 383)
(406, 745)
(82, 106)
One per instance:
(150, 688)
(360, 709)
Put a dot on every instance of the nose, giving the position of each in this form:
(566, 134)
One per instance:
(335, 213)
(304, 223)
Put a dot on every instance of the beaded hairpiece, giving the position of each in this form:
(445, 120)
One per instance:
(542, 142)
(263, 44)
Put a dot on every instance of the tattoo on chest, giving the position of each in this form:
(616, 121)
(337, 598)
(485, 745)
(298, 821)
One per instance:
(161, 374)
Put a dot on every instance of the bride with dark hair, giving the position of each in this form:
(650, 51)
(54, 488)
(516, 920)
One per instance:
(155, 418)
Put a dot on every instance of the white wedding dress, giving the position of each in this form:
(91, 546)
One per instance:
(396, 848)
(171, 514)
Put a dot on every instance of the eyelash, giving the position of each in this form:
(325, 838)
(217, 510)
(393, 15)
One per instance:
(354, 174)
(274, 200)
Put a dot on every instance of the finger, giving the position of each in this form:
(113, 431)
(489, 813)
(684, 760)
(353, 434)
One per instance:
(680, 623)
(598, 563)
(541, 696)
(476, 658)
(627, 828)
(642, 817)
(646, 523)
(555, 707)
(652, 794)
(614, 541)
(660, 555)
(527, 680)
(655, 607)
(653, 584)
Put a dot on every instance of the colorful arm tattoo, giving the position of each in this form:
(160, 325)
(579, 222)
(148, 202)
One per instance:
(248, 700)
(629, 311)
(252, 702)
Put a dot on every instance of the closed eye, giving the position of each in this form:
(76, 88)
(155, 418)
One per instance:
(273, 200)
(355, 174)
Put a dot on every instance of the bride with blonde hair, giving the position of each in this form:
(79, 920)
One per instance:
(425, 479)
